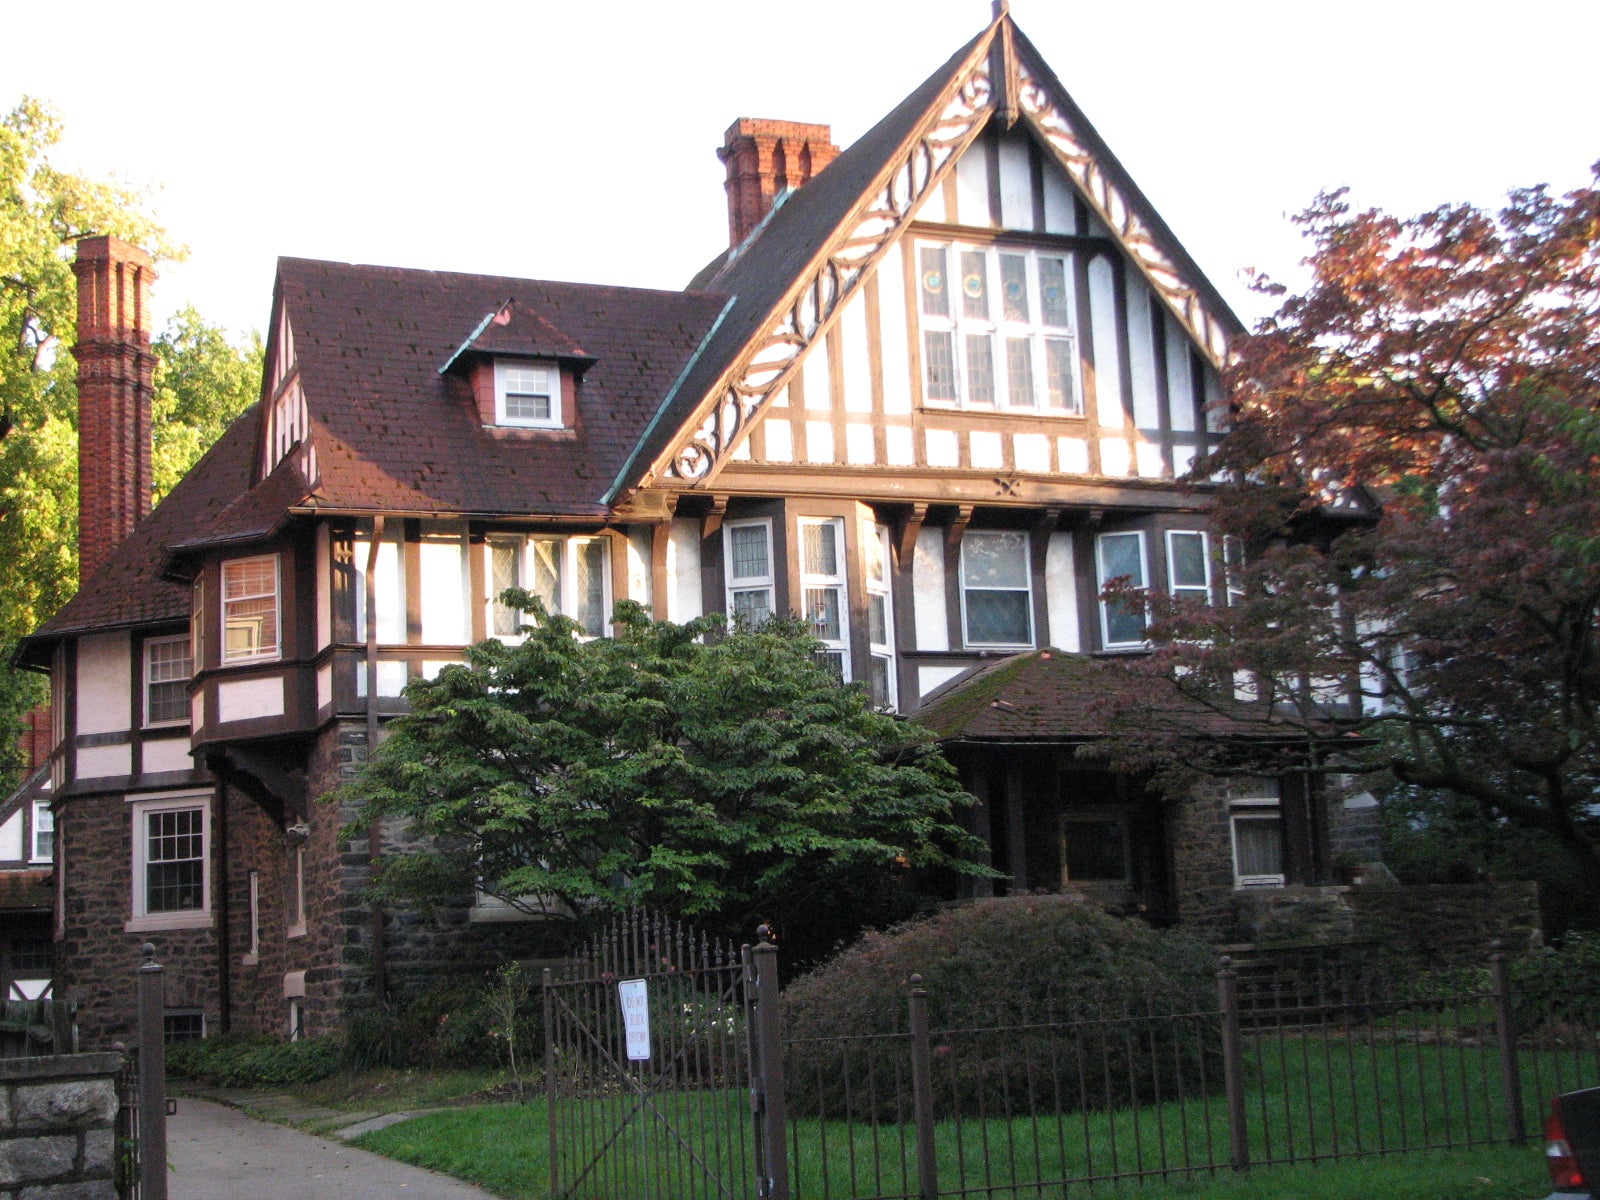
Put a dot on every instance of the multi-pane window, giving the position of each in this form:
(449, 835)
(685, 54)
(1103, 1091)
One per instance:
(1121, 558)
(43, 833)
(250, 608)
(1189, 565)
(527, 394)
(748, 552)
(880, 616)
(822, 584)
(170, 860)
(183, 1025)
(1256, 815)
(998, 328)
(996, 588)
(570, 575)
(167, 667)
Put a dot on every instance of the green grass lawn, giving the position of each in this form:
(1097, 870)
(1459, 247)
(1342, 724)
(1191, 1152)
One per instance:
(1310, 1099)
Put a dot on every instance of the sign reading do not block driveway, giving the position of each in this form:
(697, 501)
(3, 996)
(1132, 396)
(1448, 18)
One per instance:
(635, 1017)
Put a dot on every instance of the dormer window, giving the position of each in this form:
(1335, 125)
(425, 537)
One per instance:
(527, 394)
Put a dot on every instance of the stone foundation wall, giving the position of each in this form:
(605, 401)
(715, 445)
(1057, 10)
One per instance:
(1436, 925)
(1202, 861)
(57, 1127)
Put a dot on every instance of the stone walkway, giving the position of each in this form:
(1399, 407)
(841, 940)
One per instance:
(215, 1151)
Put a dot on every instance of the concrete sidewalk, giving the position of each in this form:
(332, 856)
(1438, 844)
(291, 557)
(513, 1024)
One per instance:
(219, 1153)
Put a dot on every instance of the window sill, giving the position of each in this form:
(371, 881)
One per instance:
(249, 960)
(158, 921)
(256, 660)
(296, 931)
(1000, 410)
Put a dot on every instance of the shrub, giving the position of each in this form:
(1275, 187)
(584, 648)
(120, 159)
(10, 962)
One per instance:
(238, 1060)
(1559, 986)
(1042, 1002)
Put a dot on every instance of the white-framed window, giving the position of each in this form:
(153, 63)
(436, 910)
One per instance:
(250, 609)
(998, 327)
(171, 863)
(1094, 846)
(880, 616)
(527, 394)
(572, 575)
(168, 664)
(42, 833)
(996, 588)
(389, 584)
(822, 586)
(1121, 556)
(1189, 564)
(197, 608)
(747, 554)
(1255, 813)
(295, 899)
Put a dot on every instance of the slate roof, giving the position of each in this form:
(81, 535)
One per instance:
(393, 435)
(129, 589)
(1056, 696)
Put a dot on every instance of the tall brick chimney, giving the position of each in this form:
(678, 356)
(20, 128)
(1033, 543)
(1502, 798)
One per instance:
(765, 158)
(115, 369)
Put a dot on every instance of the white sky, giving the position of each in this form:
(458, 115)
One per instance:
(576, 140)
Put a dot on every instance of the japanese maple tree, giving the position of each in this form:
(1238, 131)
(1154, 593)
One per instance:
(1413, 515)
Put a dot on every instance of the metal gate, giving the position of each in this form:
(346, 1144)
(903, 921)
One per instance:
(665, 1101)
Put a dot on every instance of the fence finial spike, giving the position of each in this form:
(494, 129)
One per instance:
(149, 951)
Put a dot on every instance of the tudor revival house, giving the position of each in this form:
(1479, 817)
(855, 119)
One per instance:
(934, 395)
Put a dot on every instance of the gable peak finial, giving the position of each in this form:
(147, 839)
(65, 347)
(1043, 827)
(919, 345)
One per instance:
(999, 8)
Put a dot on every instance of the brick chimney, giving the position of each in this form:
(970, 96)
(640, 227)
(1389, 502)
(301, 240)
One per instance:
(765, 158)
(115, 368)
(35, 740)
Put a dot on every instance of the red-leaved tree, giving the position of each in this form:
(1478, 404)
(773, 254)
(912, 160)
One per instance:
(1414, 517)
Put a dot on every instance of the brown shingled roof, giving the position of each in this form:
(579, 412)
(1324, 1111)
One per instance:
(392, 435)
(1051, 695)
(129, 589)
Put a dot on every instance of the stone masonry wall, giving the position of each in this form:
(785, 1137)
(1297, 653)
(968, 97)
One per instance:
(1429, 926)
(57, 1127)
(1202, 861)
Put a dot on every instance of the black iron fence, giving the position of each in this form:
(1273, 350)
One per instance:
(1313, 1066)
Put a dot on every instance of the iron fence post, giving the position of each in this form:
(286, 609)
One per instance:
(769, 1035)
(550, 1080)
(1505, 1030)
(1233, 1064)
(922, 1091)
(152, 1080)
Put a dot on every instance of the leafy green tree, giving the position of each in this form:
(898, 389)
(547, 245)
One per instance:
(202, 380)
(724, 775)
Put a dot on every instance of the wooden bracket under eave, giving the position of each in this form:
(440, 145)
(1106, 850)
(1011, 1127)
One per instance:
(957, 527)
(712, 521)
(906, 532)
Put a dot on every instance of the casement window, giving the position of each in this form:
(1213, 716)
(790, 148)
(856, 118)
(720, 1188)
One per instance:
(747, 553)
(167, 668)
(295, 892)
(572, 575)
(42, 833)
(880, 616)
(1189, 565)
(1121, 557)
(996, 589)
(1094, 846)
(822, 586)
(527, 394)
(998, 328)
(250, 609)
(1255, 813)
(171, 863)
(1233, 568)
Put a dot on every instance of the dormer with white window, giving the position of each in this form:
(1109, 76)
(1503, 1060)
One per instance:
(523, 372)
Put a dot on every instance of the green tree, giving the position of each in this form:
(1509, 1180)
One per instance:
(726, 775)
(202, 379)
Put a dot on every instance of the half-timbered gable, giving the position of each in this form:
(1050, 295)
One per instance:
(938, 391)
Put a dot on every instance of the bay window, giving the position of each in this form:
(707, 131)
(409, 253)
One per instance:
(747, 551)
(571, 575)
(250, 609)
(996, 589)
(1121, 557)
(1189, 565)
(822, 584)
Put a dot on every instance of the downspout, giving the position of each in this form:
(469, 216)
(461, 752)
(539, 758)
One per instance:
(380, 958)
(224, 942)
